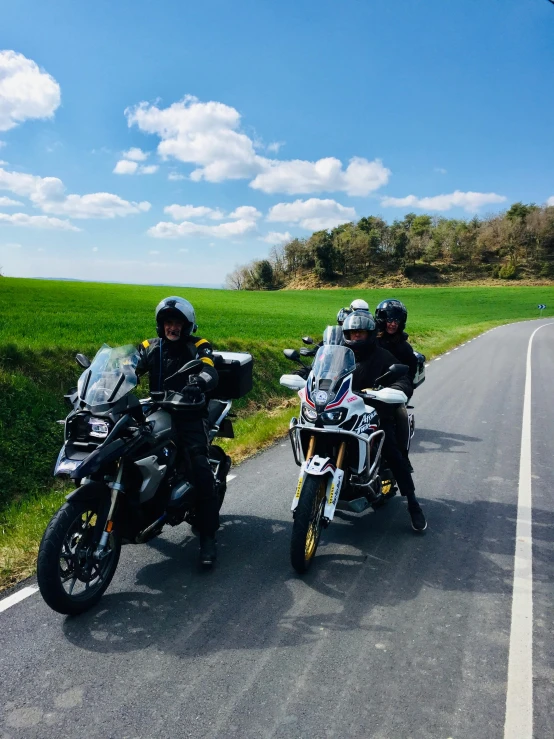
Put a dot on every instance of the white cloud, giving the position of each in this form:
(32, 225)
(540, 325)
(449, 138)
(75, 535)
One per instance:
(48, 194)
(326, 175)
(136, 154)
(208, 136)
(175, 177)
(470, 201)
(247, 212)
(203, 134)
(274, 237)
(25, 91)
(22, 219)
(550, 200)
(184, 212)
(313, 214)
(184, 251)
(275, 146)
(440, 170)
(10, 245)
(8, 202)
(94, 248)
(2, 143)
(154, 252)
(167, 230)
(125, 166)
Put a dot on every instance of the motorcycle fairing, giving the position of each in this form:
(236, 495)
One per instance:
(332, 493)
(315, 466)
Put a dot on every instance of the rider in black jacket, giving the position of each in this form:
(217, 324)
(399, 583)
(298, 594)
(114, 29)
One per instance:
(162, 357)
(372, 361)
(391, 316)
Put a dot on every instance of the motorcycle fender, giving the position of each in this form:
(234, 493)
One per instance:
(89, 491)
(316, 466)
(301, 478)
(333, 492)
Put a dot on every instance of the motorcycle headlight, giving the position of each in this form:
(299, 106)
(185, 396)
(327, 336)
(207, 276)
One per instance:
(98, 428)
(309, 413)
(334, 417)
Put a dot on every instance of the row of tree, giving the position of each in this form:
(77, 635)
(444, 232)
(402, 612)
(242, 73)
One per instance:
(519, 241)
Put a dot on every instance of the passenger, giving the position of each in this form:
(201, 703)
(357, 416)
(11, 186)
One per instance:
(372, 361)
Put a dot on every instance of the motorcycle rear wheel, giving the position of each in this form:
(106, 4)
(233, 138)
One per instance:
(308, 522)
(70, 580)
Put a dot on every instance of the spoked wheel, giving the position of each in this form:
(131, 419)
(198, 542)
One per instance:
(308, 522)
(70, 579)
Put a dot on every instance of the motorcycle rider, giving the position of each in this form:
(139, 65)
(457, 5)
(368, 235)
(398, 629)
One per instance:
(372, 361)
(391, 316)
(342, 314)
(359, 304)
(161, 357)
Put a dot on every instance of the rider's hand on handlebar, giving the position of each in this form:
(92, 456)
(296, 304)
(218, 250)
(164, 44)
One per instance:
(192, 393)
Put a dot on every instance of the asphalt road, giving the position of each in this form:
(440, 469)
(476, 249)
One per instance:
(391, 635)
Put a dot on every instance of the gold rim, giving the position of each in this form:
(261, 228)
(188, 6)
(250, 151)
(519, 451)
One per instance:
(386, 486)
(312, 535)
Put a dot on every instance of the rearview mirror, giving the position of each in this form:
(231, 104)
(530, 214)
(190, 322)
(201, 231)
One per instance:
(395, 372)
(82, 361)
(307, 340)
(292, 354)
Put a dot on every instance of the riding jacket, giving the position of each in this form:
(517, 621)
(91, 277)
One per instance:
(162, 358)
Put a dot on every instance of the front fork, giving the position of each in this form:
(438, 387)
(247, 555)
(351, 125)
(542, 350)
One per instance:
(323, 466)
(102, 549)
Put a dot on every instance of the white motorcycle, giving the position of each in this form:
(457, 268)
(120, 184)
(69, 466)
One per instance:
(337, 443)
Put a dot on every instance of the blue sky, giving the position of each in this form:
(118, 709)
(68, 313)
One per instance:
(166, 142)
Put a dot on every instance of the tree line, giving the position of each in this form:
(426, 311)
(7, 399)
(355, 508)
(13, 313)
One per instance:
(516, 243)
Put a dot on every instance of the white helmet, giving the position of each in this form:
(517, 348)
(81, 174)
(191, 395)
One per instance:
(359, 304)
(175, 305)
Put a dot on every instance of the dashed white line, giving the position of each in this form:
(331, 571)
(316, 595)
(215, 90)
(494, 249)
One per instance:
(11, 600)
(230, 477)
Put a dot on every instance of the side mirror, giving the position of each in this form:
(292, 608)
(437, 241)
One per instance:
(82, 361)
(307, 340)
(395, 372)
(293, 382)
(292, 354)
(192, 366)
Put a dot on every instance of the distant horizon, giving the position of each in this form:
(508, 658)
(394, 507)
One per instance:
(199, 286)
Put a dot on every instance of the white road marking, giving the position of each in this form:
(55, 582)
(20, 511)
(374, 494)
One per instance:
(519, 697)
(437, 359)
(446, 353)
(11, 600)
(230, 477)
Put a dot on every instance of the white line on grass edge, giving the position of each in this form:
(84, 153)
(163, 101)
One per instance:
(11, 600)
(519, 696)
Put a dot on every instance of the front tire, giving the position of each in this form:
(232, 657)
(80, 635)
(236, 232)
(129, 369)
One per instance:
(308, 522)
(70, 580)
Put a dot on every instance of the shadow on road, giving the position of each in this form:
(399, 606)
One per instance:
(434, 440)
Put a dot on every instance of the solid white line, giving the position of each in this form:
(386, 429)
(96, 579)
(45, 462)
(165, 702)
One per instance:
(230, 477)
(11, 600)
(519, 697)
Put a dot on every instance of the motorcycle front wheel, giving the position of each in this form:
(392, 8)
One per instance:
(70, 579)
(308, 522)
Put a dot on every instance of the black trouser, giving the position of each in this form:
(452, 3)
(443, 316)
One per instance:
(193, 441)
(397, 462)
(402, 427)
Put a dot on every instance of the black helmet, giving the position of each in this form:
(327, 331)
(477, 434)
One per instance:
(341, 315)
(391, 309)
(359, 321)
(179, 308)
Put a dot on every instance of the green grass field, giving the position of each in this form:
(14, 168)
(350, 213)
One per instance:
(44, 323)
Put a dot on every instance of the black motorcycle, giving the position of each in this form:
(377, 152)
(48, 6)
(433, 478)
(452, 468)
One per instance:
(122, 454)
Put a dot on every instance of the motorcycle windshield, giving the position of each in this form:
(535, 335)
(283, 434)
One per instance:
(332, 363)
(333, 335)
(110, 376)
